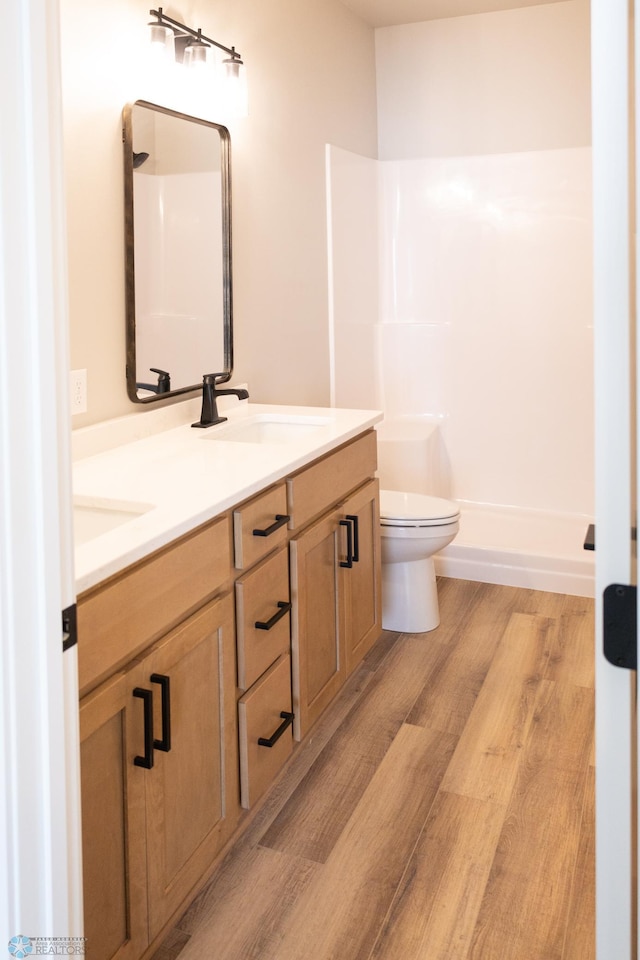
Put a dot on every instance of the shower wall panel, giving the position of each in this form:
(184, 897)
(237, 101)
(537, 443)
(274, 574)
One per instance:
(483, 317)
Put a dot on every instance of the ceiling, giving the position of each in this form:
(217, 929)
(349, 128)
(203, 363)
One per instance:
(387, 13)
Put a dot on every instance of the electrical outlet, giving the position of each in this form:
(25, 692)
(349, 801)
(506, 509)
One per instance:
(78, 391)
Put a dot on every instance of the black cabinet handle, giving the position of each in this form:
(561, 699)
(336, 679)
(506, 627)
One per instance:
(280, 521)
(269, 742)
(284, 606)
(356, 549)
(165, 688)
(349, 561)
(147, 697)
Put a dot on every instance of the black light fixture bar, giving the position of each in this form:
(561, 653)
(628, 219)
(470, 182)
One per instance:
(181, 28)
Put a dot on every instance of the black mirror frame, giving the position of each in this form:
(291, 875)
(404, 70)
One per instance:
(130, 302)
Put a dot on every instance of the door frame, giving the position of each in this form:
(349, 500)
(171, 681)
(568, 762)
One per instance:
(615, 429)
(40, 862)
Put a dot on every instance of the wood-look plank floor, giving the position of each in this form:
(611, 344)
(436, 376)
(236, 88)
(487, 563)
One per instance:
(441, 809)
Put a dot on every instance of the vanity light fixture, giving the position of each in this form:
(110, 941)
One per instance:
(192, 47)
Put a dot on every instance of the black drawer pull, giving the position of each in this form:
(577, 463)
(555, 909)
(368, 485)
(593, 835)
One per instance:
(147, 697)
(288, 720)
(284, 606)
(356, 549)
(165, 688)
(349, 561)
(281, 519)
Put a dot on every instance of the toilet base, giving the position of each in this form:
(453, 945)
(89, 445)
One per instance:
(410, 596)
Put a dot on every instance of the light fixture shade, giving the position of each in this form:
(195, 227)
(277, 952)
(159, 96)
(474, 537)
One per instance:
(234, 83)
(196, 54)
(162, 39)
(232, 68)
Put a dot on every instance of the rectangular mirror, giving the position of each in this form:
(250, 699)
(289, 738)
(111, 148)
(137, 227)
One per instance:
(177, 184)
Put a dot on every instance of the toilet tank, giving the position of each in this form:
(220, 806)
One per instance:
(412, 457)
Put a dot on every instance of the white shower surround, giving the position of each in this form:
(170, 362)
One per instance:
(461, 291)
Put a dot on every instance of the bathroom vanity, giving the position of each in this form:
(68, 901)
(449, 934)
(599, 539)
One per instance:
(212, 632)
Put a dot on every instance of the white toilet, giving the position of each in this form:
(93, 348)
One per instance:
(414, 524)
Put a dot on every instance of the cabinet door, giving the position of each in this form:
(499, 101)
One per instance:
(113, 821)
(192, 790)
(360, 582)
(318, 664)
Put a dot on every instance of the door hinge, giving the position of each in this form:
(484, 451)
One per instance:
(69, 627)
(620, 645)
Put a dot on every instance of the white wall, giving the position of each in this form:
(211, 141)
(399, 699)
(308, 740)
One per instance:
(510, 81)
(484, 311)
(311, 77)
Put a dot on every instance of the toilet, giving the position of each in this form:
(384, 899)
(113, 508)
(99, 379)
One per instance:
(414, 523)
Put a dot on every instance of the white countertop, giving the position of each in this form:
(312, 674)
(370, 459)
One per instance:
(183, 477)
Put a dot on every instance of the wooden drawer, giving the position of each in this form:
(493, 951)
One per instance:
(259, 716)
(262, 597)
(256, 527)
(320, 486)
(118, 620)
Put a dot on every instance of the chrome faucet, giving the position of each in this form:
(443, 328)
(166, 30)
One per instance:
(210, 393)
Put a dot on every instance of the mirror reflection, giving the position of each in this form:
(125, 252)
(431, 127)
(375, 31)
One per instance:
(178, 251)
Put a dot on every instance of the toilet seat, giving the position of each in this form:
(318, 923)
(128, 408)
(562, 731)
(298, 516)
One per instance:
(400, 509)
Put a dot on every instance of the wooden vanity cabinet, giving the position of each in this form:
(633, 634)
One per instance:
(360, 582)
(264, 720)
(192, 802)
(262, 617)
(191, 666)
(113, 821)
(335, 588)
(335, 575)
(120, 618)
(317, 632)
(263, 641)
(159, 747)
(259, 526)
(151, 832)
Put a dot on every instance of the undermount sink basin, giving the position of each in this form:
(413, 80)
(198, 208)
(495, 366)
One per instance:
(268, 428)
(94, 516)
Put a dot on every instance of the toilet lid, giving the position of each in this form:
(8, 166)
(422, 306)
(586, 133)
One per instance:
(415, 509)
